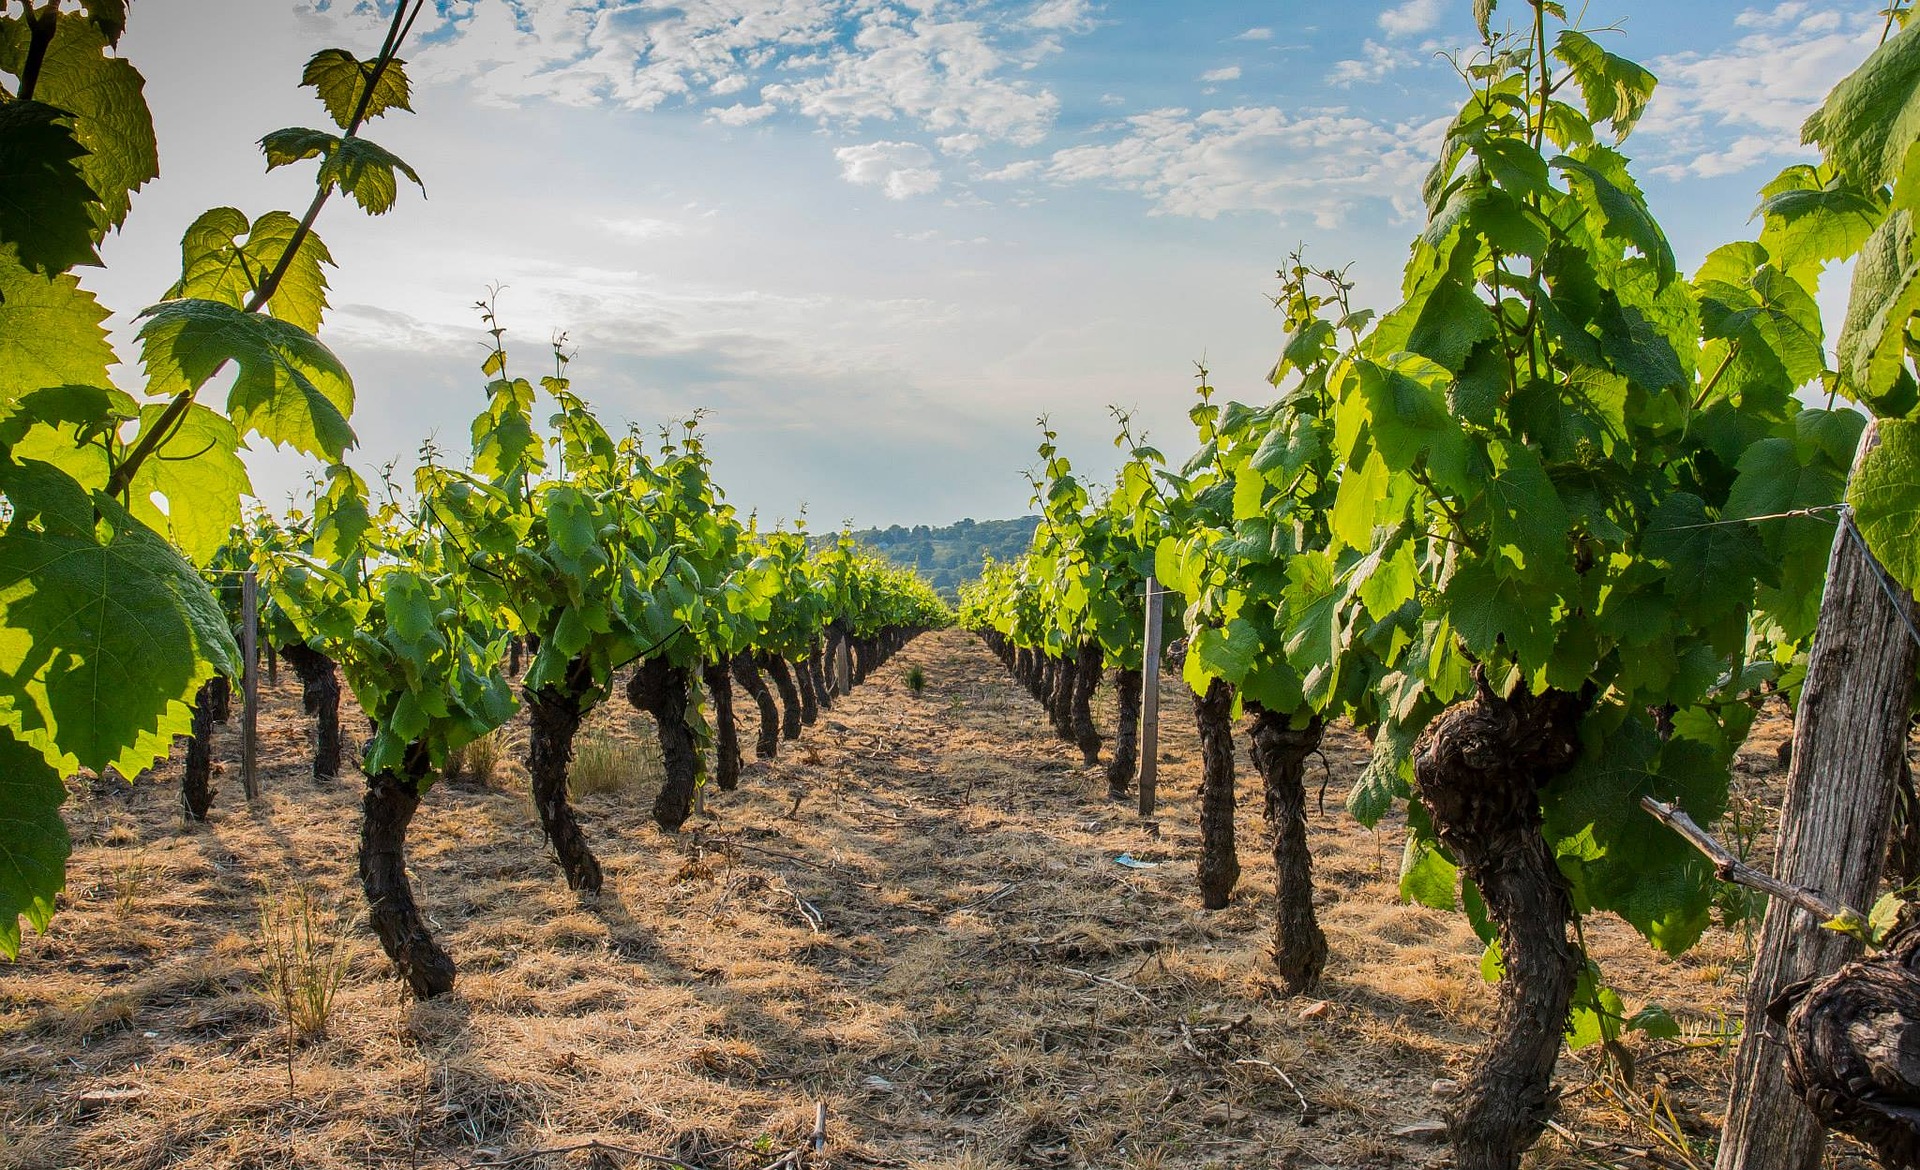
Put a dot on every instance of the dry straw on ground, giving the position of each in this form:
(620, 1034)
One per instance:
(917, 920)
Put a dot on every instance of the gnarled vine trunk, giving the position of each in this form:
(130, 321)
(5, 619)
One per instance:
(220, 692)
(1280, 752)
(767, 743)
(726, 751)
(1060, 702)
(1480, 766)
(554, 714)
(803, 682)
(196, 777)
(815, 667)
(391, 799)
(1219, 863)
(1126, 737)
(776, 668)
(320, 698)
(1086, 676)
(661, 690)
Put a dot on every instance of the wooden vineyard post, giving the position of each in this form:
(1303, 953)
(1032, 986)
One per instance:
(250, 683)
(1849, 736)
(1150, 701)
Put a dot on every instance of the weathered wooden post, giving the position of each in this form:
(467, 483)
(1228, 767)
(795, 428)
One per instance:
(1849, 737)
(1150, 701)
(250, 683)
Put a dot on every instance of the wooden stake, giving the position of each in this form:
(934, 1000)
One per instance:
(1150, 701)
(250, 683)
(1849, 736)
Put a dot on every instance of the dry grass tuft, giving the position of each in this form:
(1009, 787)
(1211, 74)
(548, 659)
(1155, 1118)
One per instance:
(604, 763)
(306, 949)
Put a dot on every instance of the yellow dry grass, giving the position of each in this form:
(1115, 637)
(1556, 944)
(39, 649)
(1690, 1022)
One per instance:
(917, 920)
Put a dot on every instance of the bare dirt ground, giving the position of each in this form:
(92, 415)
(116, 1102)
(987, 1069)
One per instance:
(913, 915)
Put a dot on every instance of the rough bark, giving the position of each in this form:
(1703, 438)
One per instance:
(776, 669)
(1060, 702)
(1086, 676)
(1126, 738)
(816, 669)
(660, 689)
(196, 778)
(1219, 863)
(1280, 752)
(392, 797)
(1853, 1046)
(1480, 766)
(803, 682)
(513, 656)
(1903, 849)
(1849, 738)
(726, 765)
(767, 743)
(554, 714)
(220, 692)
(320, 698)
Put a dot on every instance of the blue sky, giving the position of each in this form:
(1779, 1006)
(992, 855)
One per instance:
(877, 238)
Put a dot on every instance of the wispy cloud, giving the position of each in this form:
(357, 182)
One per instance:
(1413, 17)
(1312, 164)
(1224, 73)
(1255, 34)
(900, 169)
(1741, 106)
(1375, 63)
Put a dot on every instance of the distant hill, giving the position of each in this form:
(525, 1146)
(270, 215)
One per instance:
(950, 556)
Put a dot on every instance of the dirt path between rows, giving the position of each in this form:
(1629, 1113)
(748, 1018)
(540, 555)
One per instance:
(914, 915)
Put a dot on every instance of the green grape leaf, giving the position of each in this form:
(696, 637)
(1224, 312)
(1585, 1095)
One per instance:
(1451, 322)
(1807, 228)
(1885, 497)
(1427, 876)
(33, 841)
(1711, 565)
(340, 78)
(198, 473)
(109, 16)
(1487, 608)
(45, 204)
(365, 170)
(50, 330)
(1226, 653)
(217, 264)
(105, 631)
(106, 97)
(1529, 521)
(1388, 775)
(1623, 214)
(290, 389)
(1871, 349)
(1870, 119)
(289, 146)
(1615, 89)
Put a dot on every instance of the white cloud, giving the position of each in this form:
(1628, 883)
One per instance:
(1255, 34)
(1742, 105)
(1376, 61)
(1224, 73)
(1064, 15)
(1014, 172)
(1412, 18)
(900, 169)
(1318, 164)
(959, 143)
(740, 115)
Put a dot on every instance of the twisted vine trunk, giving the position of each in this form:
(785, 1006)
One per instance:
(815, 666)
(1086, 677)
(862, 659)
(1480, 766)
(320, 698)
(1280, 752)
(391, 800)
(1060, 703)
(220, 696)
(803, 682)
(726, 766)
(767, 743)
(1219, 864)
(554, 714)
(661, 690)
(513, 656)
(1126, 737)
(776, 668)
(196, 777)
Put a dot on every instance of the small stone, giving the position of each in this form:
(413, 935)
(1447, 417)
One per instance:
(1445, 1088)
(1428, 1130)
(878, 1082)
(1218, 1115)
(1315, 1010)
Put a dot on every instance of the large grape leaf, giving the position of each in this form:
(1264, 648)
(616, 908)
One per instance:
(33, 841)
(291, 389)
(105, 631)
(106, 96)
(339, 78)
(45, 204)
(225, 259)
(363, 169)
(1623, 213)
(1529, 520)
(1711, 565)
(50, 331)
(199, 475)
(1871, 349)
(1885, 497)
(1869, 119)
(1615, 89)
